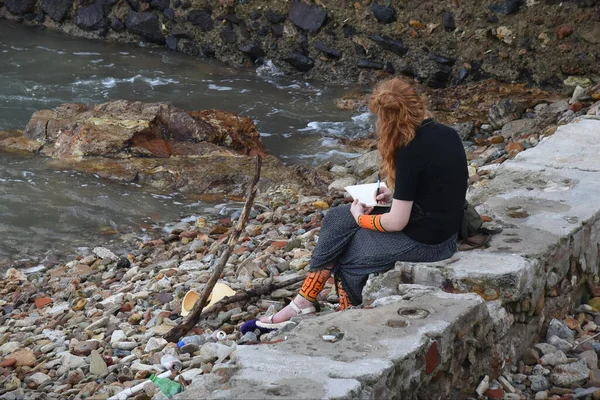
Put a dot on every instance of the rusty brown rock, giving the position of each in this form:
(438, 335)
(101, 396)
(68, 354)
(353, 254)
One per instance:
(564, 31)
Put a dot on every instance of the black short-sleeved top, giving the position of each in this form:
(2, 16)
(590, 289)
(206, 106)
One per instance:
(432, 172)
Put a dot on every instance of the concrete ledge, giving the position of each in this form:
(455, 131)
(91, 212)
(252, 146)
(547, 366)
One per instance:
(383, 354)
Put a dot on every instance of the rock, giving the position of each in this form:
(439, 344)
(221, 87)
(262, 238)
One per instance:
(75, 376)
(541, 395)
(20, 7)
(564, 31)
(105, 253)
(396, 46)
(9, 347)
(560, 329)
(299, 61)
(97, 364)
(530, 357)
(464, 130)
(253, 51)
(41, 302)
(274, 17)
(590, 33)
(369, 64)
(570, 374)
(519, 127)
(544, 348)
(91, 18)
(117, 336)
(57, 9)
(560, 344)
(160, 5)
(38, 378)
(483, 386)
(365, 165)
(281, 294)
(539, 383)
(307, 17)
(448, 21)
(553, 359)
(327, 50)
(146, 25)
(580, 94)
(383, 14)
(590, 357)
(155, 344)
(340, 184)
(504, 111)
(70, 361)
(8, 362)
(25, 358)
(85, 348)
(578, 81)
(202, 19)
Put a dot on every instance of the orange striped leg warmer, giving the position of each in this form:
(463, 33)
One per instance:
(371, 222)
(342, 295)
(314, 283)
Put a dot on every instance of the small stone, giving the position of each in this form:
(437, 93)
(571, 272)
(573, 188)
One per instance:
(539, 383)
(560, 344)
(544, 348)
(38, 378)
(483, 386)
(568, 374)
(541, 395)
(105, 253)
(80, 305)
(531, 357)
(24, 357)
(8, 362)
(497, 394)
(281, 294)
(41, 302)
(134, 319)
(9, 347)
(97, 363)
(383, 14)
(560, 329)
(155, 344)
(117, 336)
(553, 359)
(590, 357)
(75, 376)
(85, 348)
(564, 31)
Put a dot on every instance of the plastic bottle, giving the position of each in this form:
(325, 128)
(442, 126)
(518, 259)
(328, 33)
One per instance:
(168, 387)
(196, 339)
(171, 363)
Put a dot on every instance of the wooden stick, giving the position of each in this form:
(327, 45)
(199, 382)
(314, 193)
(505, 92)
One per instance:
(248, 294)
(194, 316)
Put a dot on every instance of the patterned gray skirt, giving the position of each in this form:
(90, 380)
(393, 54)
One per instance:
(357, 252)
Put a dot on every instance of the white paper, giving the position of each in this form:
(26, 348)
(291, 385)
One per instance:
(366, 194)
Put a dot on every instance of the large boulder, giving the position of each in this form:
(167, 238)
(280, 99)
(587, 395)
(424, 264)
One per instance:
(20, 7)
(158, 145)
(57, 9)
(146, 25)
(91, 17)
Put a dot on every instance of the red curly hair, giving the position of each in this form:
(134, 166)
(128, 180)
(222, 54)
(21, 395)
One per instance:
(400, 111)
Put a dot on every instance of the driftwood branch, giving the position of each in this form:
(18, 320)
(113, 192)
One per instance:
(248, 294)
(194, 316)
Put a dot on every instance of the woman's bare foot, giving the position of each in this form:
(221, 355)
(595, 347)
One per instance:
(288, 312)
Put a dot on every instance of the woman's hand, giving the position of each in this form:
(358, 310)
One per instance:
(358, 208)
(385, 195)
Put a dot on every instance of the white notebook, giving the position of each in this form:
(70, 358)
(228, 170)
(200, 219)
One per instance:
(366, 194)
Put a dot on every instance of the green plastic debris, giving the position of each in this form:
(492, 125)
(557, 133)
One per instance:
(168, 387)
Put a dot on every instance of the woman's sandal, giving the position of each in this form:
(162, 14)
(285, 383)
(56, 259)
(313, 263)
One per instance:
(266, 327)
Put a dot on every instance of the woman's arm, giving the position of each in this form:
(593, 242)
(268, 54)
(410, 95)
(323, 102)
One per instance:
(393, 221)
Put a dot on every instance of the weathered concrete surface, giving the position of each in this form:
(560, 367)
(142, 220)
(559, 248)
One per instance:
(548, 202)
(373, 360)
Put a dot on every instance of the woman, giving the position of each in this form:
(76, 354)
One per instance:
(425, 163)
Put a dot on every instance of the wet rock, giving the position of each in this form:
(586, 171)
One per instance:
(116, 24)
(91, 17)
(307, 17)
(327, 50)
(57, 9)
(170, 14)
(253, 51)
(202, 19)
(228, 34)
(570, 374)
(20, 7)
(146, 25)
(383, 14)
(396, 46)
(448, 21)
(503, 112)
(299, 61)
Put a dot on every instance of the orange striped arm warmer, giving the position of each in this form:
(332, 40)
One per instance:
(371, 222)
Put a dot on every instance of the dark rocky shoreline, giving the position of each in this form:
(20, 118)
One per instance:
(439, 43)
